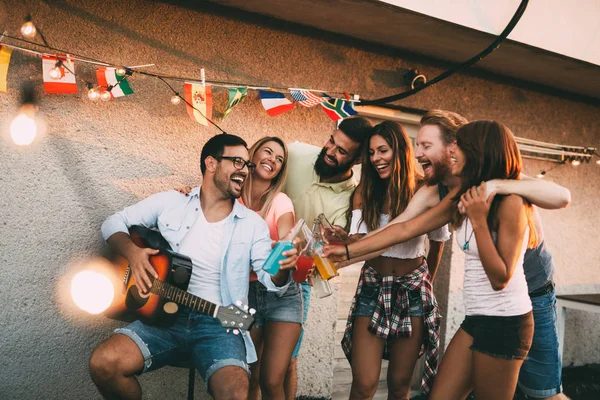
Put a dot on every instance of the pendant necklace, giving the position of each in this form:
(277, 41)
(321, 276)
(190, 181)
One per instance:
(466, 245)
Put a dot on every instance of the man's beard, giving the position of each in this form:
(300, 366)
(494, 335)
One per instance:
(325, 170)
(441, 170)
(224, 186)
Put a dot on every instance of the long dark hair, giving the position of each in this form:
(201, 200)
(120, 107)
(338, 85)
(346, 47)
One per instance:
(491, 152)
(403, 178)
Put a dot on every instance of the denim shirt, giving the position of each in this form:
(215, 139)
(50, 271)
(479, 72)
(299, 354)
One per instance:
(247, 241)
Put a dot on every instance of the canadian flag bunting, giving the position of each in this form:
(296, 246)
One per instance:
(64, 82)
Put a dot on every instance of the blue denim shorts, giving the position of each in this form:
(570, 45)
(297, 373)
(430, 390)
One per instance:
(194, 335)
(541, 373)
(273, 308)
(367, 302)
(306, 291)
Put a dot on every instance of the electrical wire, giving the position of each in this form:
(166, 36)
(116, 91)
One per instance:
(495, 44)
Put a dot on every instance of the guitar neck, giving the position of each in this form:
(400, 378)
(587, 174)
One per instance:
(182, 297)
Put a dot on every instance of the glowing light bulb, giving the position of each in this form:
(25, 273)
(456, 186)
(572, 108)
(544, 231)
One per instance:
(24, 129)
(55, 72)
(92, 291)
(93, 94)
(541, 175)
(575, 162)
(598, 161)
(105, 95)
(121, 71)
(28, 29)
(175, 99)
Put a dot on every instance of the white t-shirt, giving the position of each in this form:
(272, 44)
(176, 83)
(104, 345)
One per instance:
(204, 245)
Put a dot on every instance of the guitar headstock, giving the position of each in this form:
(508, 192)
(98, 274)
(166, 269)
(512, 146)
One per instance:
(236, 316)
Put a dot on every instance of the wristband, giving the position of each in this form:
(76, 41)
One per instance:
(347, 251)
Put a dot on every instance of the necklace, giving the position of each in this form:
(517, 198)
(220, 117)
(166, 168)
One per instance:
(466, 245)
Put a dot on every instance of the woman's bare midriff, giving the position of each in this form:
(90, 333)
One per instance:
(388, 266)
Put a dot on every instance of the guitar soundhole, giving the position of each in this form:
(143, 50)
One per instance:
(134, 300)
(181, 276)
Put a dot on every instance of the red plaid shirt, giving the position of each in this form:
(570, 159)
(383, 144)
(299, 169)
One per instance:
(393, 322)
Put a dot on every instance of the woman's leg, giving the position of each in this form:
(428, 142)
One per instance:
(404, 353)
(257, 338)
(494, 378)
(279, 340)
(453, 381)
(367, 352)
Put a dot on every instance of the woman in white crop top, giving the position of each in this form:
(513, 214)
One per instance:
(487, 351)
(394, 314)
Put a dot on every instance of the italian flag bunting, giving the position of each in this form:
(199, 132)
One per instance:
(108, 77)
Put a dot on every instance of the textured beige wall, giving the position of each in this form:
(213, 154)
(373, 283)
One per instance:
(97, 158)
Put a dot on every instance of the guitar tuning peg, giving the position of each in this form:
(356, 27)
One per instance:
(236, 332)
(252, 311)
(238, 303)
(241, 324)
(225, 322)
(228, 330)
(244, 316)
(232, 323)
(245, 307)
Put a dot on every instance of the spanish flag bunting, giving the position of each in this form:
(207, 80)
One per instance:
(200, 97)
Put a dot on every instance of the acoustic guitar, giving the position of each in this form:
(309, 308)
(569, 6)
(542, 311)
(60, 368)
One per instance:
(168, 292)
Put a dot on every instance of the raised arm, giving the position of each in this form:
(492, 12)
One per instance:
(430, 220)
(542, 193)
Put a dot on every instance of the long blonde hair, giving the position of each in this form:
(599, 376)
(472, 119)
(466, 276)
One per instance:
(277, 183)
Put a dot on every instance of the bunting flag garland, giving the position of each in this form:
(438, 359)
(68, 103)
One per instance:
(5, 53)
(338, 109)
(306, 98)
(200, 97)
(108, 77)
(275, 103)
(66, 83)
(236, 95)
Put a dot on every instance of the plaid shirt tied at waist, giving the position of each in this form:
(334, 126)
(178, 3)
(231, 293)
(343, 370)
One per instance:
(394, 322)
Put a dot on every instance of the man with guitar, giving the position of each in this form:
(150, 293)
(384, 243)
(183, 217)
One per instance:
(222, 238)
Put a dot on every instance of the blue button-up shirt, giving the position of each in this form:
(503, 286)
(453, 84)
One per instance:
(247, 241)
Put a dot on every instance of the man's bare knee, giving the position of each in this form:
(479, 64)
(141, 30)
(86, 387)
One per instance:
(229, 383)
(116, 356)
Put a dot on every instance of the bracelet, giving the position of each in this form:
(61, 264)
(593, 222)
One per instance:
(347, 251)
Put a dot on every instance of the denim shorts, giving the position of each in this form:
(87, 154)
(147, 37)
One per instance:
(541, 373)
(306, 291)
(273, 308)
(194, 335)
(367, 302)
(502, 337)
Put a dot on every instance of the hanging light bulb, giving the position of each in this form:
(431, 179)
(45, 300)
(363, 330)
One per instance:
(55, 73)
(598, 161)
(575, 162)
(121, 71)
(105, 95)
(175, 99)
(28, 29)
(541, 175)
(93, 92)
(24, 127)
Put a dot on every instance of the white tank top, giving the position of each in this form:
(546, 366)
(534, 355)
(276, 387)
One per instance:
(479, 296)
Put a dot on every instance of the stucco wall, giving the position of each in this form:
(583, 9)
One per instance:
(99, 157)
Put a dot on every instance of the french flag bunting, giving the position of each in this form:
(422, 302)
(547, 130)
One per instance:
(275, 103)
(65, 83)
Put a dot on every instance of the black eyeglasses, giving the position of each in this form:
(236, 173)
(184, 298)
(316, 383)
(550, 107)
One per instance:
(238, 162)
